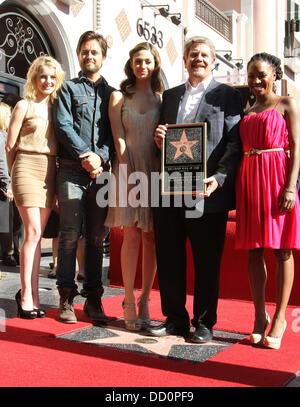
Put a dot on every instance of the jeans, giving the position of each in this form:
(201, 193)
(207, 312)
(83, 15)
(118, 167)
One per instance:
(79, 214)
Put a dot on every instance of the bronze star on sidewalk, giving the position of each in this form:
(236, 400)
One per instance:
(160, 345)
(183, 146)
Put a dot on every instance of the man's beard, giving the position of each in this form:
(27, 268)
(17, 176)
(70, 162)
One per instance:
(88, 69)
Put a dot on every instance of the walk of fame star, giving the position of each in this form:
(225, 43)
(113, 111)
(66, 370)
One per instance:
(183, 146)
(160, 346)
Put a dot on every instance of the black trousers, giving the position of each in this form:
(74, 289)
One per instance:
(11, 241)
(207, 236)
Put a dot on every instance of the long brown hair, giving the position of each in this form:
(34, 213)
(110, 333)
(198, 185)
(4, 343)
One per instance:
(156, 82)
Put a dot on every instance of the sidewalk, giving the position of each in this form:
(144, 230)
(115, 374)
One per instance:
(10, 283)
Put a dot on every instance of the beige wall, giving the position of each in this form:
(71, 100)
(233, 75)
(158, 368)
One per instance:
(290, 90)
(225, 5)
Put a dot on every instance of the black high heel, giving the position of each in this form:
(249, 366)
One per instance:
(21, 312)
(40, 313)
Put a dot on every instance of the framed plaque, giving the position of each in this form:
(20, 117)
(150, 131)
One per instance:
(183, 159)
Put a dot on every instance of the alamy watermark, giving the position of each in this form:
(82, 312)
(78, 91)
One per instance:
(296, 321)
(137, 190)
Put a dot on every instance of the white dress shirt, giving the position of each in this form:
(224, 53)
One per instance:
(189, 104)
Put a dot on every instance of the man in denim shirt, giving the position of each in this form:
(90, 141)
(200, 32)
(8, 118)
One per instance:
(83, 131)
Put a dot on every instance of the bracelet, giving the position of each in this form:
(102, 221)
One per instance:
(290, 190)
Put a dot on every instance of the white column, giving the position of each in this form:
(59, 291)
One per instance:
(265, 26)
(242, 22)
(247, 9)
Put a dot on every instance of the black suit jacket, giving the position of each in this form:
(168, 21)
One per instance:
(221, 108)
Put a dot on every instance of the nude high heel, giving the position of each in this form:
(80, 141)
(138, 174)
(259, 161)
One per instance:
(143, 313)
(130, 317)
(273, 342)
(255, 338)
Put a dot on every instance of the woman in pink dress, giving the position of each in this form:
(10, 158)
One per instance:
(268, 210)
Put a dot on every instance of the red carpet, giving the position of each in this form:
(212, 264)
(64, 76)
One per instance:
(234, 281)
(32, 355)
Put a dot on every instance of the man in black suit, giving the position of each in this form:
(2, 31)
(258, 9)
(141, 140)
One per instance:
(200, 99)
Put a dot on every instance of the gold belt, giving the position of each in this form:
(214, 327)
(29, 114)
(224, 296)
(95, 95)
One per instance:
(253, 151)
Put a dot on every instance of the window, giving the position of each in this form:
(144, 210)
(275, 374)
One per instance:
(22, 39)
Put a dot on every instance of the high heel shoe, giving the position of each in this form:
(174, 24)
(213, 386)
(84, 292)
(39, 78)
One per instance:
(143, 313)
(255, 338)
(273, 342)
(31, 314)
(130, 317)
(40, 313)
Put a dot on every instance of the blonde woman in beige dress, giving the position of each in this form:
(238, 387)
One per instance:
(31, 156)
(134, 114)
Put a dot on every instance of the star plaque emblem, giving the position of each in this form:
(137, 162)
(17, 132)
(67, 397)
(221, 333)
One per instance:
(183, 164)
(183, 146)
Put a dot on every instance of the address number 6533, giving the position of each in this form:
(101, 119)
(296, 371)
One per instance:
(149, 33)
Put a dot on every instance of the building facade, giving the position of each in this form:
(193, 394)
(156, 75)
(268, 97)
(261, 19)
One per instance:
(239, 28)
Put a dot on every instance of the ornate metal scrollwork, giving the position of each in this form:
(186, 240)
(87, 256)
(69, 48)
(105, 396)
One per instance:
(20, 43)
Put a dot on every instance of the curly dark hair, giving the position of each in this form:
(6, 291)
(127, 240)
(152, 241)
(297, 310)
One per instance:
(272, 60)
(156, 82)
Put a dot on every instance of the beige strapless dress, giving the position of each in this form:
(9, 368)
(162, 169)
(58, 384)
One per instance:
(34, 168)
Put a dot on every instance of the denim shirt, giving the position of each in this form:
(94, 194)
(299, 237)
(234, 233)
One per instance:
(80, 118)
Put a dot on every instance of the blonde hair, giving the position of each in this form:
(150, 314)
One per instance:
(5, 111)
(199, 39)
(30, 90)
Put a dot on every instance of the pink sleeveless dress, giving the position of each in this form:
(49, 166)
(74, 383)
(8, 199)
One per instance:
(260, 181)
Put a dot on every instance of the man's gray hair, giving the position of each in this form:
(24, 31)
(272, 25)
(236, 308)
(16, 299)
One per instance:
(199, 39)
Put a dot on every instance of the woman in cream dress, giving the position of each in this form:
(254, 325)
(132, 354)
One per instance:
(134, 114)
(31, 156)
